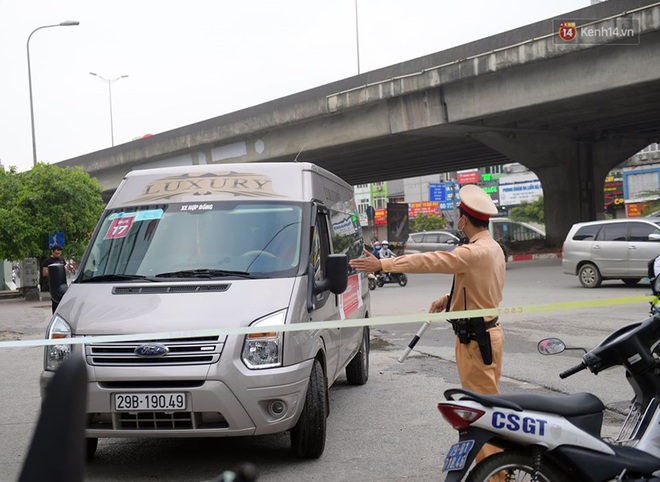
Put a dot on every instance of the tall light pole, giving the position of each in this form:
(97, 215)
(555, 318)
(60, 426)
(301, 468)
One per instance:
(66, 23)
(357, 36)
(110, 82)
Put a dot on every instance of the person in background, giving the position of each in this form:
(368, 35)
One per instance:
(55, 258)
(376, 251)
(386, 252)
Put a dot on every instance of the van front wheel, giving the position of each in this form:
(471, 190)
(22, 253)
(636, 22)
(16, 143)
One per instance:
(308, 436)
(590, 276)
(357, 371)
(90, 448)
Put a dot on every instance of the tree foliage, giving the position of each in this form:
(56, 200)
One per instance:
(47, 199)
(427, 222)
(529, 212)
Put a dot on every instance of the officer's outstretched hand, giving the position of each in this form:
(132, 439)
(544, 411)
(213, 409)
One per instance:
(439, 305)
(369, 263)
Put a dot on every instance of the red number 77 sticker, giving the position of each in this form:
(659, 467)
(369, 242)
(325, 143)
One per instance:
(119, 227)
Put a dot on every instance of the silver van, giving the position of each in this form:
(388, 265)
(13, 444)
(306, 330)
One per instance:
(182, 251)
(612, 249)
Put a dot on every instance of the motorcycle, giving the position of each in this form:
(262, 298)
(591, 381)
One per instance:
(383, 278)
(557, 438)
(372, 281)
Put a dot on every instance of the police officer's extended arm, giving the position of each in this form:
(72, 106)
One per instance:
(369, 263)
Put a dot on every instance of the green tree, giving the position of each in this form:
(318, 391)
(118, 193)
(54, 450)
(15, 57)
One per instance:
(529, 212)
(427, 222)
(47, 199)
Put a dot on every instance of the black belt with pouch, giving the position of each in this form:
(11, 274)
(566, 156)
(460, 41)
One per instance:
(467, 329)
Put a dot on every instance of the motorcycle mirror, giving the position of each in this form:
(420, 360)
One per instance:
(550, 346)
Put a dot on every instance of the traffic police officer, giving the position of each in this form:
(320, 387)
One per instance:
(478, 269)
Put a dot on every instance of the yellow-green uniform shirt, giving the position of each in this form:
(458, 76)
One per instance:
(478, 267)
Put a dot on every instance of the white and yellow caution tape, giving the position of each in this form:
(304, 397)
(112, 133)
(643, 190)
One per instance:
(325, 325)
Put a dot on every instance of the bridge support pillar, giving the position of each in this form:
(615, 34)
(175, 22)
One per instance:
(572, 172)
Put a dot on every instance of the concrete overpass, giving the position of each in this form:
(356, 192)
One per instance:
(570, 111)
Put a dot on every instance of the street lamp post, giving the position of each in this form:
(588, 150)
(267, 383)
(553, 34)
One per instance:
(110, 82)
(66, 23)
(357, 37)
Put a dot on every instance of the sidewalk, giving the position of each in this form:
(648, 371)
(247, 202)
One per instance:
(20, 319)
(21, 399)
(531, 257)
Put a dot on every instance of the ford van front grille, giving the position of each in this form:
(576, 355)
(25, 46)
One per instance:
(190, 351)
(146, 421)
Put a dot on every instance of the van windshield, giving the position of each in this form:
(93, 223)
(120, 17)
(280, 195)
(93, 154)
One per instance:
(206, 240)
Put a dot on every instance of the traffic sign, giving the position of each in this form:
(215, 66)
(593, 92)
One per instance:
(55, 238)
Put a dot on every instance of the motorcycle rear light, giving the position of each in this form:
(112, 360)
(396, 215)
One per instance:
(459, 417)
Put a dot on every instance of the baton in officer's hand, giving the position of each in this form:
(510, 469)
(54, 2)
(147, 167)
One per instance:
(414, 341)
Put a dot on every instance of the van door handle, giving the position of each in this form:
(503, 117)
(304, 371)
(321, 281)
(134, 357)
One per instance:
(596, 246)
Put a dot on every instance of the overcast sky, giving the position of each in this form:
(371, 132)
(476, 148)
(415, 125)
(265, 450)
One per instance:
(190, 61)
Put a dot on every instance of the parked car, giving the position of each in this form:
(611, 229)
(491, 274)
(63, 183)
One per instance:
(462, 238)
(507, 231)
(431, 241)
(612, 249)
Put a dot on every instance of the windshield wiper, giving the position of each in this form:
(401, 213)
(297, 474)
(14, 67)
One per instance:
(203, 273)
(116, 277)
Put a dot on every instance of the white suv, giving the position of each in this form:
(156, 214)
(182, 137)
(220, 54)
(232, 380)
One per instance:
(613, 249)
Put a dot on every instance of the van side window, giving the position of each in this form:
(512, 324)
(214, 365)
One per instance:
(346, 234)
(320, 247)
(613, 232)
(586, 233)
(641, 231)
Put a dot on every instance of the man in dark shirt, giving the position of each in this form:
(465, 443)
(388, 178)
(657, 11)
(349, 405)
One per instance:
(55, 258)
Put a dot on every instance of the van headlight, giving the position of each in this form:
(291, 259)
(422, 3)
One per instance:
(56, 354)
(264, 350)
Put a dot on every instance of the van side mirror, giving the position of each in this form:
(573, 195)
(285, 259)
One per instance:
(336, 275)
(57, 281)
(654, 237)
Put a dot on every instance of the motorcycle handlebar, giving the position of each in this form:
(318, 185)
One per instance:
(573, 370)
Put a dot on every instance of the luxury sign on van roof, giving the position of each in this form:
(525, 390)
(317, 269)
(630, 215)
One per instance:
(230, 183)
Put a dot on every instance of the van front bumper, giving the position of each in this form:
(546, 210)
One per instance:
(270, 404)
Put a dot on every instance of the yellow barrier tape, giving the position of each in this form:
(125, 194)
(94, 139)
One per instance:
(325, 325)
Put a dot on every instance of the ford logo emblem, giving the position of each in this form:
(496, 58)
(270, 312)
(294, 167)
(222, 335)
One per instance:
(151, 350)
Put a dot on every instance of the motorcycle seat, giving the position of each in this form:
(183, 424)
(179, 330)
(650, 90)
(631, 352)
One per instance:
(567, 405)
